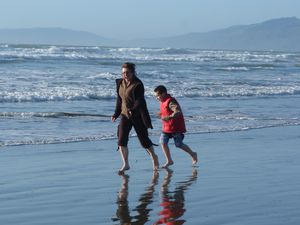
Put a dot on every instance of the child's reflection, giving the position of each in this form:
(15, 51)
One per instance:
(123, 211)
(173, 202)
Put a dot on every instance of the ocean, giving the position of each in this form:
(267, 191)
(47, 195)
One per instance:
(64, 94)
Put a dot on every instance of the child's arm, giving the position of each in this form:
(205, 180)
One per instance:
(174, 107)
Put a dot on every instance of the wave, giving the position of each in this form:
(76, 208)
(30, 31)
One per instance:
(29, 52)
(49, 114)
(56, 96)
(246, 128)
(56, 140)
(246, 67)
(112, 136)
(188, 92)
(236, 91)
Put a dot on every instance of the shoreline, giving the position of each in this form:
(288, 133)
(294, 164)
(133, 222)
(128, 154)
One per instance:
(156, 135)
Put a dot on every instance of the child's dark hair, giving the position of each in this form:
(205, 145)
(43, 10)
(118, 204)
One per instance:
(160, 89)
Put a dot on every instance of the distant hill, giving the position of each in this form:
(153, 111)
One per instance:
(277, 34)
(281, 34)
(55, 36)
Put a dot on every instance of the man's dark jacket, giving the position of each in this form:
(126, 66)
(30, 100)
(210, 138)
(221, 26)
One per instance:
(139, 108)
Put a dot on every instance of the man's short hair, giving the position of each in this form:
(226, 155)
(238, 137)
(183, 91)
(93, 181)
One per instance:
(130, 66)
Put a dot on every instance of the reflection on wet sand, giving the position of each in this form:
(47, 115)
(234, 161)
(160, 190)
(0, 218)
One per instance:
(172, 202)
(123, 211)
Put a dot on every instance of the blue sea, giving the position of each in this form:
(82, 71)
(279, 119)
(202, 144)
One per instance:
(64, 94)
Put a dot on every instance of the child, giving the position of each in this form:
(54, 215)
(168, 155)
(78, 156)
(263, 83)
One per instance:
(173, 125)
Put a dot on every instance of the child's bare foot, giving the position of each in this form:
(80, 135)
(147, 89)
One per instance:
(167, 164)
(123, 169)
(194, 158)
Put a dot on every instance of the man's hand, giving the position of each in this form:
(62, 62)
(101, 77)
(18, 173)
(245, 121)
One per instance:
(129, 113)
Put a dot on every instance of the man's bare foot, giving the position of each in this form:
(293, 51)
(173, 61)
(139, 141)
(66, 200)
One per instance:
(194, 158)
(167, 164)
(155, 177)
(155, 162)
(123, 169)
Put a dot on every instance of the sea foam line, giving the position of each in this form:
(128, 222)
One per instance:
(162, 54)
(190, 92)
(113, 136)
(56, 140)
(49, 114)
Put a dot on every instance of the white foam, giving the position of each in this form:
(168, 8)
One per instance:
(43, 141)
(56, 94)
(151, 54)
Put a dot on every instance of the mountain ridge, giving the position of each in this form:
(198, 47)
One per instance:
(279, 34)
(53, 35)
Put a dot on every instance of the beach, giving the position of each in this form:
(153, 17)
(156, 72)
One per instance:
(243, 177)
(58, 157)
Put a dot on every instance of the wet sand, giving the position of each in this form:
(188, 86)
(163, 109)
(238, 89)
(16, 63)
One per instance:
(247, 177)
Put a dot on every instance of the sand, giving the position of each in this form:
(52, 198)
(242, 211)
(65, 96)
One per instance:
(248, 177)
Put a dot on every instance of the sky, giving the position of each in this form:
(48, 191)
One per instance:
(129, 19)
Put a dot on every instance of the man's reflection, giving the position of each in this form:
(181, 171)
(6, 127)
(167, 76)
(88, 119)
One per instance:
(173, 202)
(123, 211)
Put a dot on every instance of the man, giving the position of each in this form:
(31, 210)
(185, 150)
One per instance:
(132, 107)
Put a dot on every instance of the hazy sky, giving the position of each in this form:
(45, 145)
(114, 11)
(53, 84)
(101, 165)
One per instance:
(127, 19)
